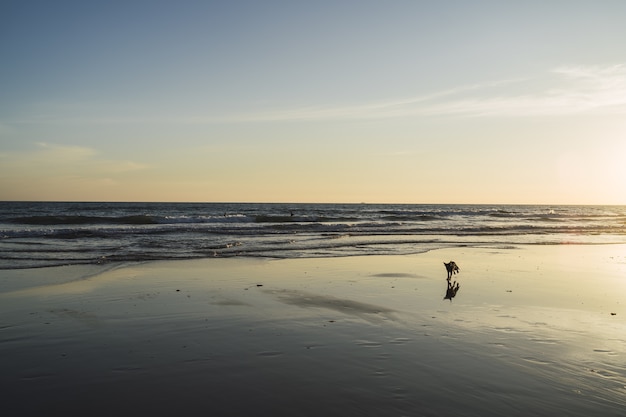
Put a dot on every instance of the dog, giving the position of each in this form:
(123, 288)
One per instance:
(452, 269)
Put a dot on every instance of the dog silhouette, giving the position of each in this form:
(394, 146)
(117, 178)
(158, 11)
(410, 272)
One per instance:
(452, 269)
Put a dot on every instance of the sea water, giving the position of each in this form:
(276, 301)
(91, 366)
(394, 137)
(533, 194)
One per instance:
(41, 234)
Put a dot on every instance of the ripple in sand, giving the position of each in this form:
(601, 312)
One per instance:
(368, 343)
(400, 393)
(607, 351)
(400, 341)
(198, 360)
(537, 360)
(507, 329)
(14, 339)
(36, 377)
(313, 346)
(603, 373)
(145, 297)
(229, 302)
(126, 369)
(395, 275)
(83, 317)
(270, 354)
(545, 341)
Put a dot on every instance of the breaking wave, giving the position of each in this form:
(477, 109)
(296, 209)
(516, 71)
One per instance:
(45, 234)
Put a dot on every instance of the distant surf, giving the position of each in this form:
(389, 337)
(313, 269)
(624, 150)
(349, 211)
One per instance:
(38, 234)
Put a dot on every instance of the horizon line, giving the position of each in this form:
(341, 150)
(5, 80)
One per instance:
(305, 202)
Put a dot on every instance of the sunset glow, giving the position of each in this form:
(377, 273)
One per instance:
(408, 102)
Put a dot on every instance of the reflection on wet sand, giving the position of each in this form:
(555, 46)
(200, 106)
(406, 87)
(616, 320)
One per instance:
(369, 312)
(451, 290)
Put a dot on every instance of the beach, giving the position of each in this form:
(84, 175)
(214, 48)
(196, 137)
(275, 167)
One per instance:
(533, 330)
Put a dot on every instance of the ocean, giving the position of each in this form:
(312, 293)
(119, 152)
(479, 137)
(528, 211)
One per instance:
(43, 234)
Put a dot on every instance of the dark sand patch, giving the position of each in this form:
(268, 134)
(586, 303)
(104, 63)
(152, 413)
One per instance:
(396, 275)
(229, 302)
(345, 306)
(86, 318)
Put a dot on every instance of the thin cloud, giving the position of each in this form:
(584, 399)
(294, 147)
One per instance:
(568, 90)
(579, 90)
(381, 109)
(64, 159)
(575, 90)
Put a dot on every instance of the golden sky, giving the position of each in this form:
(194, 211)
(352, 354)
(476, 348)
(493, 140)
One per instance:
(398, 102)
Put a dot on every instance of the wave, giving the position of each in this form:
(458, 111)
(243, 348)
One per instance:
(37, 234)
(304, 219)
(284, 219)
(121, 227)
(83, 220)
(379, 217)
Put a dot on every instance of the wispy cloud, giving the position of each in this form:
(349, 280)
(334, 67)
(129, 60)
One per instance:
(575, 90)
(64, 159)
(60, 172)
(571, 90)
(568, 90)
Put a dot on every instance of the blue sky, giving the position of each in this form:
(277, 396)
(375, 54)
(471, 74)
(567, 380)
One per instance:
(343, 101)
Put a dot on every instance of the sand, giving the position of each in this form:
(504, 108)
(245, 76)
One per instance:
(533, 330)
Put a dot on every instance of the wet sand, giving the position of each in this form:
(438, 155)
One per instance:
(533, 330)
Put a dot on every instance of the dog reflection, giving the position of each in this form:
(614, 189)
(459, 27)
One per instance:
(451, 290)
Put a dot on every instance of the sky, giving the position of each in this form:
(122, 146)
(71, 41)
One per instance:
(491, 102)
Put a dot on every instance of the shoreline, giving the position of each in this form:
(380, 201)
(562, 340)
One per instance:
(533, 330)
